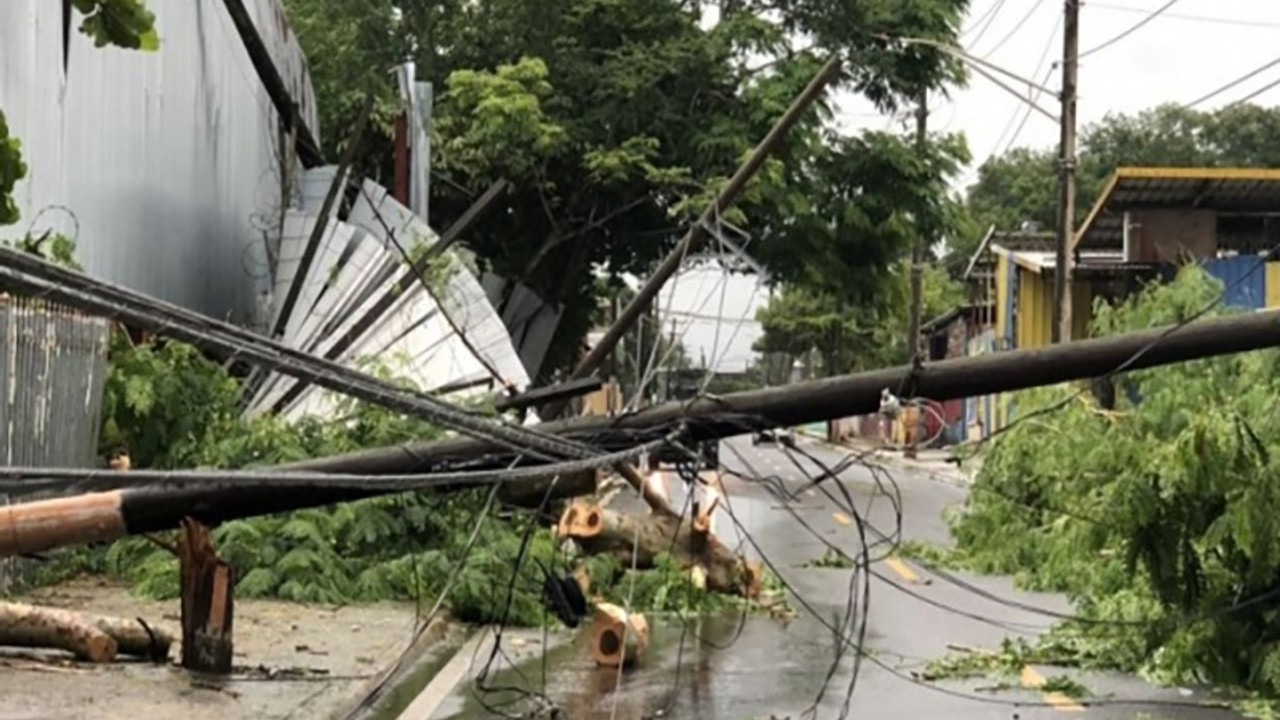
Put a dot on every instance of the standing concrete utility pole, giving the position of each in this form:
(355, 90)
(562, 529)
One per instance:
(1062, 295)
(917, 269)
(671, 264)
(917, 248)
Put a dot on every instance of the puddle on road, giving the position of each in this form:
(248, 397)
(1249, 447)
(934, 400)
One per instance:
(730, 667)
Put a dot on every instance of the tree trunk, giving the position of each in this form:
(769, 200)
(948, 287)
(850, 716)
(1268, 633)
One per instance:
(617, 637)
(598, 531)
(39, 627)
(133, 637)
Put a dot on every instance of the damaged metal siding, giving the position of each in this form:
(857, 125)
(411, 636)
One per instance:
(53, 365)
(163, 165)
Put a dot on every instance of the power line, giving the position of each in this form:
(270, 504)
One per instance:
(1044, 55)
(1235, 22)
(1254, 94)
(1132, 29)
(1247, 76)
(989, 17)
(1008, 36)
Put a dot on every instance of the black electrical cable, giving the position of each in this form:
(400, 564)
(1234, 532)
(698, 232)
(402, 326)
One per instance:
(1247, 76)
(1129, 31)
(871, 656)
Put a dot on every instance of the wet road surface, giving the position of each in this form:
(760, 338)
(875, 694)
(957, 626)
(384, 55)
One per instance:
(732, 667)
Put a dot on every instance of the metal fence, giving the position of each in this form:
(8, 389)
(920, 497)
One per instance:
(53, 368)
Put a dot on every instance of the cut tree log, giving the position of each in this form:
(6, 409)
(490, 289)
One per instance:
(601, 531)
(617, 637)
(207, 602)
(134, 637)
(131, 637)
(41, 627)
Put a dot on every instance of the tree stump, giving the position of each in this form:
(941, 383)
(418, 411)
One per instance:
(618, 637)
(207, 602)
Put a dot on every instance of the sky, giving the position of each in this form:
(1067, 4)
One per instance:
(1190, 49)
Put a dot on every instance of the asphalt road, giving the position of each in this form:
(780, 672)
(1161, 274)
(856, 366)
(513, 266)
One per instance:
(733, 668)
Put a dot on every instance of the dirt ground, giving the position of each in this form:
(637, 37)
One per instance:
(291, 661)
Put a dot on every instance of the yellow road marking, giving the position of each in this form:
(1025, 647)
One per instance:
(903, 570)
(841, 518)
(1033, 679)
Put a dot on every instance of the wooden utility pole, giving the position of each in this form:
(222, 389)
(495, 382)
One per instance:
(1062, 290)
(917, 269)
(97, 517)
(286, 105)
(728, 195)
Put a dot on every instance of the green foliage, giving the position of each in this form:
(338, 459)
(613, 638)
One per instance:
(1161, 512)
(845, 336)
(122, 23)
(616, 121)
(832, 558)
(55, 248)
(12, 169)
(1008, 661)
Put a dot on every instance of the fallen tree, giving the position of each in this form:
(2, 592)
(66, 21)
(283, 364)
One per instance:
(599, 531)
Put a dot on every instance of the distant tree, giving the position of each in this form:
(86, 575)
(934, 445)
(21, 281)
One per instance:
(848, 337)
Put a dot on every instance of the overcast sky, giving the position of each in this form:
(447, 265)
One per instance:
(1186, 52)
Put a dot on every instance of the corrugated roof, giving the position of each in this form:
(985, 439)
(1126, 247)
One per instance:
(1236, 190)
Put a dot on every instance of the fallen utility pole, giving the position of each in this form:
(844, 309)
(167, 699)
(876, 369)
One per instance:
(671, 264)
(307, 147)
(95, 517)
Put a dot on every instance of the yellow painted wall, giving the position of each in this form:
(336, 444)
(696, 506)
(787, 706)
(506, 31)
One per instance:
(1273, 284)
(1032, 322)
(1033, 326)
(1002, 295)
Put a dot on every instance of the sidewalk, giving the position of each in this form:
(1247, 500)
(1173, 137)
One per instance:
(934, 463)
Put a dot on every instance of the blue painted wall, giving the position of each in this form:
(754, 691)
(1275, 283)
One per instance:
(1244, 278)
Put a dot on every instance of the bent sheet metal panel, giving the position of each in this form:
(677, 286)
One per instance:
(413, 336)
(162, 164)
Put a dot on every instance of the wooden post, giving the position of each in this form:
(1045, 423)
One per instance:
(207, 601)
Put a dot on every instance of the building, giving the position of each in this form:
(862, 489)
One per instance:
(165, 166)
(1144, 225)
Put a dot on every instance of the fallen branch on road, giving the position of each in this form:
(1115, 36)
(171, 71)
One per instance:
(599, 531)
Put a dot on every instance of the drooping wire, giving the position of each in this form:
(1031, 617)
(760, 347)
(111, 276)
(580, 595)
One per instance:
(1247, 76)
(1128, 31)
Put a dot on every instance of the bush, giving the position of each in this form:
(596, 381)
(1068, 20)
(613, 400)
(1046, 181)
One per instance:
(1162, 513)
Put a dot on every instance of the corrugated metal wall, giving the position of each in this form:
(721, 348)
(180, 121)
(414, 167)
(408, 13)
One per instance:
(162, 165)
(1244, 280)
(53, 366)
